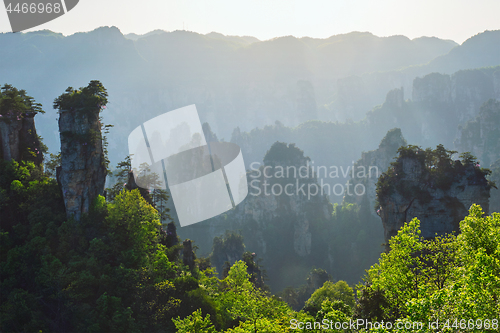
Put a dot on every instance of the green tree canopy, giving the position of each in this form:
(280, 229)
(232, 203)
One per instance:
(339, 291)
(14, 102)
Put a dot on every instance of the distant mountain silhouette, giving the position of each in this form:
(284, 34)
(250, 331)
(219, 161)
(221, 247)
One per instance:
(481, 50)
(234, 81)
(134, 36)
(356, 94)
(245, 40)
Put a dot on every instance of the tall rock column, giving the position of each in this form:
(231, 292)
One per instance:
(373, 163)
(429, 185)
(18, 138)
(82, 173)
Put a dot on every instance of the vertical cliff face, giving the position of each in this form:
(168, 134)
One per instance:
(481, 136)
(495, 192)
(278, 199)
(18, 137)
(374, 163)
(82, 173)
(432, 88)
(283, 219)
(463, 92)
(445, 101)
(395, 98)
(431, 186)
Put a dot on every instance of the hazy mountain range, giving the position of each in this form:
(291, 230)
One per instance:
(234, 81)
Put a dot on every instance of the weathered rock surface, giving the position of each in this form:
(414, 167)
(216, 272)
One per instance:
(83, 172)
(439, 208)
(375, 162)
(462, 92)
(276, 226)
(495, 192)
(395, 98)
(481, 136)
(19, 140)
(267, 205)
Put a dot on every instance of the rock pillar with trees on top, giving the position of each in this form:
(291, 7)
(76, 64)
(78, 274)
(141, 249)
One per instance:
(18, 138)
(83, 169)
(430, 185)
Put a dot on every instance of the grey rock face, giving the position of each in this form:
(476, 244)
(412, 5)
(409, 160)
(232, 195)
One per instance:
(432, 88)
(470, 89)
(481, 136)
(395, 98)
(440, 210)
(82, 173)
(19, 140)
(463, 92)
(268, 209)
(375, 162)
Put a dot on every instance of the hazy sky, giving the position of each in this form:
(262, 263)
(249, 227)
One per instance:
(264, 19)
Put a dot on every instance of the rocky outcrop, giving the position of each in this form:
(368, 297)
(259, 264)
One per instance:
(441, 102)
(19, 140)
(430, 186)
(285, 189)
(268, 206)
(481, 136)
(463, 92)
(374, 163)
(282, 219)
(432, 88)
(82, 173)
(495, 192)
(395, 98)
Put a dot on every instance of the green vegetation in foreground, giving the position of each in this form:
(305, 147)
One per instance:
(115, 272)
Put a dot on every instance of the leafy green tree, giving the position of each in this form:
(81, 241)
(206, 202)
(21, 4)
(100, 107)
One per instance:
(333, 312)
(397, 272)
(339, 291)
(453, 280)
(252, 305)
(51, 165)
(195, 323)
(227, 247)
(479, 245)
(371, 303)
(139, 223)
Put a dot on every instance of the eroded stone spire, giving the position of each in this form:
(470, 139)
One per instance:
(82, 173)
